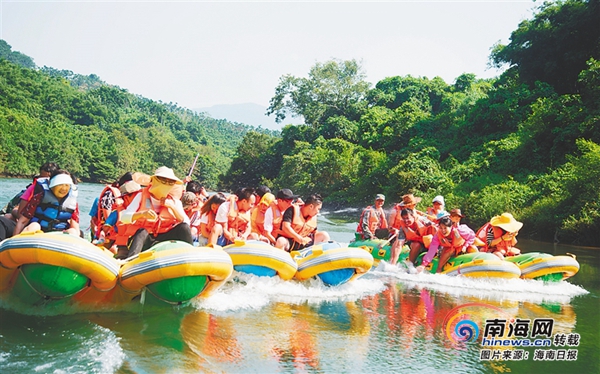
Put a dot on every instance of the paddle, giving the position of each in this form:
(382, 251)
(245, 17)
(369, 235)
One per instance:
(386, 242)
(193, 165)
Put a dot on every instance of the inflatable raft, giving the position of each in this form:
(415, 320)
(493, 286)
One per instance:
(332, 262)
(54, 268)
(262, 259)
(173, 272)
(378, 248)
(479, 265)
(475, 265)
(544, 266)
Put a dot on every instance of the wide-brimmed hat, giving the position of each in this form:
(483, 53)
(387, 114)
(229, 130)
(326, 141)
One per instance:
(61, 179)
(456, 212)
(267, 199)
(410, 199)
(380, 196)
(286, 194)
(507, 222)
(141, 178)
(129, 187)
(439, 199)
(167, 173)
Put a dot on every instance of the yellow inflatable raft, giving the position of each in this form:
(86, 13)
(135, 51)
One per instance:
(544, 266)
(173, 272)
(54, 268)
(332, 262)
(262, 259)
(478, 265)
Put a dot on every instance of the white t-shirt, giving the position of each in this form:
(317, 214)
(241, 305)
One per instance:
(268, 224)
(223, 212)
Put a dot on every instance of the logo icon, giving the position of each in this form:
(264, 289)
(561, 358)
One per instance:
(462, 323)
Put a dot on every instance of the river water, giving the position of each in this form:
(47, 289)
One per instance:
(385, 322)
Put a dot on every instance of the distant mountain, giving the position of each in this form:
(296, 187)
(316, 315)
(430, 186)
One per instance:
(248, 113)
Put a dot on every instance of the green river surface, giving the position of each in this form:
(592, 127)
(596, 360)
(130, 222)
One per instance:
(387, 321)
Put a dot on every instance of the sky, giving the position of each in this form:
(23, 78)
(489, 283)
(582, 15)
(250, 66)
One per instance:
(199, 54)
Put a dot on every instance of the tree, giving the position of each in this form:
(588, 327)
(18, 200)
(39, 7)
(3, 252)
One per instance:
(333, 88)
(555, 46)
(251, 164)
(15, 57)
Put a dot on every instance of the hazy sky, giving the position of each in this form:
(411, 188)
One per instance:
(199, 54)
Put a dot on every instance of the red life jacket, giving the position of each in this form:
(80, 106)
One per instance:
(106, 204)
(374, 222)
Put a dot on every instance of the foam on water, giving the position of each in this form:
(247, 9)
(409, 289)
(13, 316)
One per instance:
(486, 288)
(79, 350)
(247, 291)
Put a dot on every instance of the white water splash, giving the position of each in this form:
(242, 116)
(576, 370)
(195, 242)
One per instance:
(247, 291)
(485, 288)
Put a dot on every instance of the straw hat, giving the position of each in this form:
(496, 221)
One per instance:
(141, 178)
(129, 187)
(507, 222)
(456, 212)
(410, 199)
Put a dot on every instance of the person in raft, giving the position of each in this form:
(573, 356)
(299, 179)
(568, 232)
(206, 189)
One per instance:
(259, 225)
(233, 217)
(438, 206)
(409, 201)
(207, 235)
(416, 231)
(499, 235)
(372, 223)
(299, 225)
(273, 217)
(52, 207)
(449, 240)
(155, 215)
(17, 203)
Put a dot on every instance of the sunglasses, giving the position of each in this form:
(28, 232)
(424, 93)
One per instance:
(168, 182)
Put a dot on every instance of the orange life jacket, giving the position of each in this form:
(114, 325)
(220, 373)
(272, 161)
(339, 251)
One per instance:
(237, 222)
(498, 232)
(258, 221)
(397, 218)
(301, 226)
(453, 241)
(416, 235)
(165, 222)
(374, 222)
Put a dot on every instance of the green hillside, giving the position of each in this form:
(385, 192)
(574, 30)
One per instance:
(99, 131)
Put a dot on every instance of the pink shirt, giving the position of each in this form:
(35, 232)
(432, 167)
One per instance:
(463, 230)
